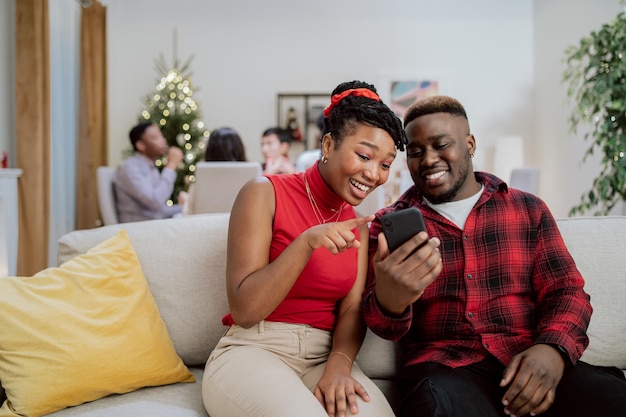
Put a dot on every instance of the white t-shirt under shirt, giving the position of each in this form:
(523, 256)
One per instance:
(456, 211)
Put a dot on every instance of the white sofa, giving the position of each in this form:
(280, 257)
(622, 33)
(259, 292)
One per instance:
(184, 262)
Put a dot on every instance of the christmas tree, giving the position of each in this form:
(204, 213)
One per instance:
(172, 107)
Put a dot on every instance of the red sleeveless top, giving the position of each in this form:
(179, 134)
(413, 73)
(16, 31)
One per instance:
(326, 278)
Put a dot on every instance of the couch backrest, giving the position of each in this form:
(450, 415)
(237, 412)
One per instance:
(184, 261)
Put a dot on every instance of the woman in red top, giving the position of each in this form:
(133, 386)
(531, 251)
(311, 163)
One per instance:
(296, 268)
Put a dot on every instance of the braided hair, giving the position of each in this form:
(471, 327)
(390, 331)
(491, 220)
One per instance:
(342, 118)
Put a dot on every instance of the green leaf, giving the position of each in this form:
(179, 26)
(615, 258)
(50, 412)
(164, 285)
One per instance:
(595, 74)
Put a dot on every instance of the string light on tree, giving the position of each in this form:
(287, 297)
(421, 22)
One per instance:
(172, 107)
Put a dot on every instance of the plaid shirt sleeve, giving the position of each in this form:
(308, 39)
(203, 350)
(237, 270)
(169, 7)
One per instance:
(563, 308)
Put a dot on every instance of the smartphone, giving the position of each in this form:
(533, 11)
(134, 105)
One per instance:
(402, 225)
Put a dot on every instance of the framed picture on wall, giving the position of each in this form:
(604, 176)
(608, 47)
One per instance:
(399, 92)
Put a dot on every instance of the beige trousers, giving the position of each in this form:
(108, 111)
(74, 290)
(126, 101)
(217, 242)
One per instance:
(271, 370)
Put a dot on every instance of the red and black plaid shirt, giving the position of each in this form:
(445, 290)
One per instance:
(508, 282)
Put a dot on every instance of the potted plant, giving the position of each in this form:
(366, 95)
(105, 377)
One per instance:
(596, 74)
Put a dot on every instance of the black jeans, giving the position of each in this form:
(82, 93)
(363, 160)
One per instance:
(434, 390)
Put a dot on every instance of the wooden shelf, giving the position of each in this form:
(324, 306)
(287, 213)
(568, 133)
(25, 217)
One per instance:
(308, 106)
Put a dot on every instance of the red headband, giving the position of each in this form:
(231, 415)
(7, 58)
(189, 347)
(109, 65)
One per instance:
(362, 92)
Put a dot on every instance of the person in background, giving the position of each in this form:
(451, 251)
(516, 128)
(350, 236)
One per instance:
(275, 145)
(295, 274)
(491, 313)
(225, 144)
(141, 190)
(308, 158)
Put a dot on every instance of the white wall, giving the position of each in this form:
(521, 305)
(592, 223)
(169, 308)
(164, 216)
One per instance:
(248, 51)
(501, 58)
(7, 79)
(559, 24)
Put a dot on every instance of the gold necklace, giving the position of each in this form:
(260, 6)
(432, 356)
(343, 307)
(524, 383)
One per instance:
(316, 210)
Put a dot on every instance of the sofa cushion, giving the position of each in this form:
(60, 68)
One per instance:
(82, 331)
(378, 357)
(177, 400)
(184, 261)
(598, 245)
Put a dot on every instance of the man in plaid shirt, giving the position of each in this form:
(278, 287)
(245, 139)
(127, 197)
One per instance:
(490, 312)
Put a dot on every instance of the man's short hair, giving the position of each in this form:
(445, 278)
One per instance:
(137, 132)
(434, 104)
(283, 135)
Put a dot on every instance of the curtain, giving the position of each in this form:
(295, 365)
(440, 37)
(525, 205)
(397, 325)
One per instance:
(93, 117)
(32, 132)
(64, 78)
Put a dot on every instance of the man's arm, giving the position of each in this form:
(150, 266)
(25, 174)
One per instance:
(563, 307)
(396, 280)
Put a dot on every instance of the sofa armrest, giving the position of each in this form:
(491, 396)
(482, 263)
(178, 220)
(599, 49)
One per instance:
(598, 245)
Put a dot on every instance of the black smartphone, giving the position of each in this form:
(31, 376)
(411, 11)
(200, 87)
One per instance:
(402, 225)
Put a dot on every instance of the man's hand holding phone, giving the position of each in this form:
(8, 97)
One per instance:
(406, 260)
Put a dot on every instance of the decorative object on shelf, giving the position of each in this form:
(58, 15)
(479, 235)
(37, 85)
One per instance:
(172, 107)
(292, 125)
(5, 160)
(596, 78)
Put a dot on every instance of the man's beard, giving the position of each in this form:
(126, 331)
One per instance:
(451, 194)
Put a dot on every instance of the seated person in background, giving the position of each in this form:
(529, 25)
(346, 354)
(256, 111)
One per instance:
(308, 158)
(225, 144)
(491, 311)
(142, 191)
(275, 144)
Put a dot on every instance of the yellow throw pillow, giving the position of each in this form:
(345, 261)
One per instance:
(82, 331)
